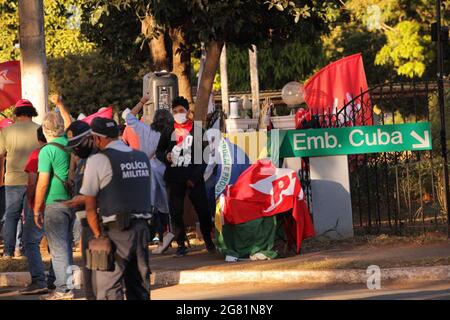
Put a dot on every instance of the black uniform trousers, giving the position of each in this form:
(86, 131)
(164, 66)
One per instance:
(197, 195)
(131, 267)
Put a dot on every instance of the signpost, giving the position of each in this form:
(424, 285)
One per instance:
(355, 140)
(328, 149)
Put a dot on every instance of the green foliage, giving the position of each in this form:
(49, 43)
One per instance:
(401, 27)
(62, 33)
(91, 81)
(8, 30)
(116, 34)
(405, 49)
(348, 39)
(277, 65)
(242, 22)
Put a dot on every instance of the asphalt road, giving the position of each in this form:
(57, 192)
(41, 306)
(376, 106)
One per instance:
(422, 291)
(418, 291)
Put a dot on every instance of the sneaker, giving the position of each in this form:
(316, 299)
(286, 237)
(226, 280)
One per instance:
(155, 240)
(181, 252)
(51, 287)
(33, 289)
(58, 296)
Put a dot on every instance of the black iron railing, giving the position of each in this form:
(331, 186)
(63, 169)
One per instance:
(400, 192)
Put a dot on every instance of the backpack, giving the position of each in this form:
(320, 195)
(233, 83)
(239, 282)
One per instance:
(66, 183)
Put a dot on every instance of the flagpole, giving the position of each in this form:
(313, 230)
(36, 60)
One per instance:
(440, 83)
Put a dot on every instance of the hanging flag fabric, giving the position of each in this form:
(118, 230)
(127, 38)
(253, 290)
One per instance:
(105, 112)
(10, 84)
(330, 89)
(264, 191)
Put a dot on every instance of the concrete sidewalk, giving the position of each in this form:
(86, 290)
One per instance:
(343, 264)
(408, 262)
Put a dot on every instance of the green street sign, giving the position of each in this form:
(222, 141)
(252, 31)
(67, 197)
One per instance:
(354, 140)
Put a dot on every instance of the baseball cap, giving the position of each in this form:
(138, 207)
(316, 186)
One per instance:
(103, 127)
(24, 103)
(76, 132)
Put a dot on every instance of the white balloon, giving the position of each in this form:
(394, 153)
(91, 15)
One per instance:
(293, 93)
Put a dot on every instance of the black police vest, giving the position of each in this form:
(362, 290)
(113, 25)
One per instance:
(129, 189)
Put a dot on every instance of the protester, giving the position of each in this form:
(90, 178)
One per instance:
(145, 138)
(52, 188)
(117, 182)
(184, 174)
(82, 145)
(16, 143)
(32, 234)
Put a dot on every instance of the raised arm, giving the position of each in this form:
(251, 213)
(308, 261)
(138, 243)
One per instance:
(64, 111)
(138, 107)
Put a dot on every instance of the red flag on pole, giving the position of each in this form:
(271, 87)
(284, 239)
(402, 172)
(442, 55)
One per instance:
(336, 85)
(10, 85)
(106, 112)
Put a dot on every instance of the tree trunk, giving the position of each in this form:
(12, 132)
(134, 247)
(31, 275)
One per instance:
(213, 52)
(33, 59)
(157, 45)
(181, 64)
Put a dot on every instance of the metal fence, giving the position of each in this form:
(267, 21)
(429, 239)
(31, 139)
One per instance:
(392, 192)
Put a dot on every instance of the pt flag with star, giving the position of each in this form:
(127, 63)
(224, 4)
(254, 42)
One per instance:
(10, 84)
(261, 192)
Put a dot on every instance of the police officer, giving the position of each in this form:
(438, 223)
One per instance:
(81, 144)
(117, 182)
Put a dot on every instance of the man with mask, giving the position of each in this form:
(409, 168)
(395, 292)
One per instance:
(81, 144)
(179, 148)
(117, 182)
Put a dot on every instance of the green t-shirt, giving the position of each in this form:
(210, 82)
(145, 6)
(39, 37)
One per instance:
(54, 160)
(17, 141)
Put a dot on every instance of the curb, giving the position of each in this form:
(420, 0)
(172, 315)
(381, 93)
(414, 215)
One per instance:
(345, 276)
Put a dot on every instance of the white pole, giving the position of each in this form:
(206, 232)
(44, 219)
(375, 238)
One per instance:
(224, 81)
(253, 59)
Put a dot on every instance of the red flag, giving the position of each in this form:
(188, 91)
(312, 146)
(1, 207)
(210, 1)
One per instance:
(10, 85)
(264, 190)
(336, 85)
(102, 113)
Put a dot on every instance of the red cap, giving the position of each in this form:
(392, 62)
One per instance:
(23, 103)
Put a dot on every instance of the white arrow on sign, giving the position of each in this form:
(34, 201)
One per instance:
(423, 142)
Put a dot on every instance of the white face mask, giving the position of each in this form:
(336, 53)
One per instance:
(180, 118)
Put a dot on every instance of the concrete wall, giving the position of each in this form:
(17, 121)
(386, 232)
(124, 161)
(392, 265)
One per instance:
(331, 201)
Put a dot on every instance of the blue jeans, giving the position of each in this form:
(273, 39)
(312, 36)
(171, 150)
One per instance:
(15, 202)
(32, 237)
(58, 221)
